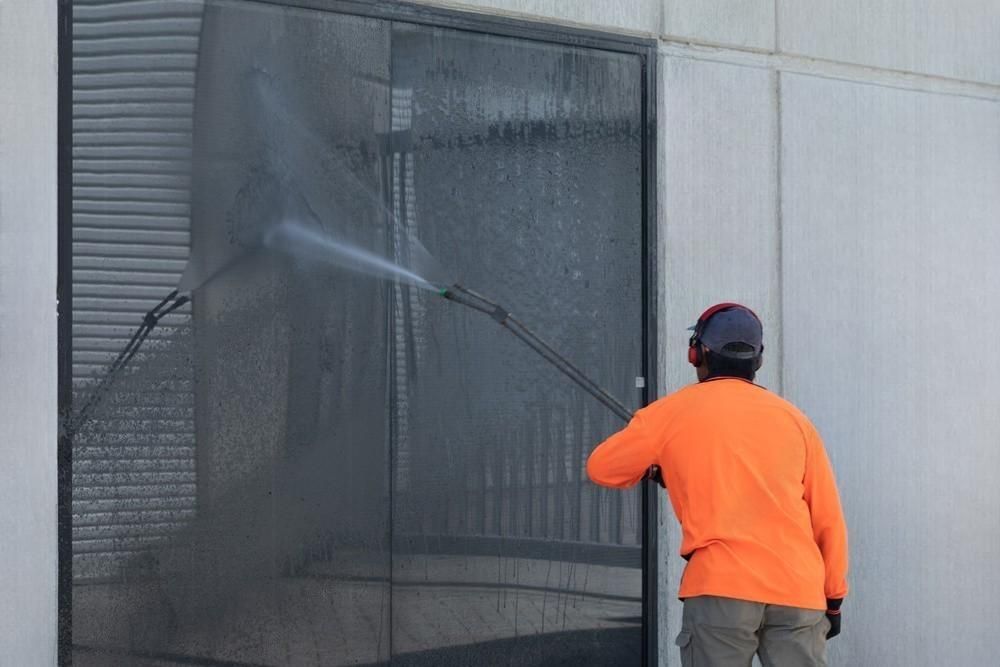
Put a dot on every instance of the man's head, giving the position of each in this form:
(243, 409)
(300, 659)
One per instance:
(727, 341)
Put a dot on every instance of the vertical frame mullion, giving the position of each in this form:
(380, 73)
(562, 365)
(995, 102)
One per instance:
(64, 313)
(650, 551)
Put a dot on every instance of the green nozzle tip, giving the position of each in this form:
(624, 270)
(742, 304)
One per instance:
(443, 291)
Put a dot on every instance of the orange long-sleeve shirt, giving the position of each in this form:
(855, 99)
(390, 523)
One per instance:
(751, 485)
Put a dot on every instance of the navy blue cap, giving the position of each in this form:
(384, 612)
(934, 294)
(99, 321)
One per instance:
(733, 325)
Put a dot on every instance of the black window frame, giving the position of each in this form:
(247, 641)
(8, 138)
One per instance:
(390, 10)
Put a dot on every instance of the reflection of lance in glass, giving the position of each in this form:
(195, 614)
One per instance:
(169, 304)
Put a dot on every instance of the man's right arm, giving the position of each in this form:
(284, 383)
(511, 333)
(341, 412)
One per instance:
(626, 458)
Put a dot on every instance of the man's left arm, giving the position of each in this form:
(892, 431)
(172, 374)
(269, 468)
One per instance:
(626, 458)
(829, 528)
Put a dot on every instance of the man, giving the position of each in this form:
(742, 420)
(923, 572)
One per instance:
(751, 485)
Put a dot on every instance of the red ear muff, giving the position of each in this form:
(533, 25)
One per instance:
(694, 355)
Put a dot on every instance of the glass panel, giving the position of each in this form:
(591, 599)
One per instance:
(312, 464)
(283, 557)
(519, 166)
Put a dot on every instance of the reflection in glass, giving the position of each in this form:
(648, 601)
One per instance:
(518, 164)
(320, 461)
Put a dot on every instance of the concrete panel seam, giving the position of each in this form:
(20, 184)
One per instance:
(694, 43)
(798, 64)
(779, 223)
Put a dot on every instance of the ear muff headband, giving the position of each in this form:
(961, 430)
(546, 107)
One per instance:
(694, 344)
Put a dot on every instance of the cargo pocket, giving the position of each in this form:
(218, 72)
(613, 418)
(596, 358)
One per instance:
(683, 642)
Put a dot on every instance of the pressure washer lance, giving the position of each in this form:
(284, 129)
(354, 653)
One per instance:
(502, 316)
(169, 304)
(471, 299)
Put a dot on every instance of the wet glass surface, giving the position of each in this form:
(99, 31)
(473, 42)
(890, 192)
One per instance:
(321, 462)
(521, 171)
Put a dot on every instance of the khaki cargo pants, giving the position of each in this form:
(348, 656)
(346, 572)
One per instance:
(722, 632)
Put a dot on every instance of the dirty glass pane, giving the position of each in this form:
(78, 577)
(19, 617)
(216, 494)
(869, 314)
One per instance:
(317, 460)
(280, 553)
(519, 166)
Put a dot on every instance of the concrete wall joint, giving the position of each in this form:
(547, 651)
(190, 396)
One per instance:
(799, 64)
(779, 235)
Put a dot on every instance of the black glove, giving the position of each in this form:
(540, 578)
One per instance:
(654, 473)
(833, 615)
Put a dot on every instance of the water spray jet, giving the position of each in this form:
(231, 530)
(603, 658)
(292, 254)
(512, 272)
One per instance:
(313, 242)
(310, 242)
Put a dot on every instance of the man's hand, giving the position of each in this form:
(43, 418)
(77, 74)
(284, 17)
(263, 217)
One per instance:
(654, 473)
(833, 615)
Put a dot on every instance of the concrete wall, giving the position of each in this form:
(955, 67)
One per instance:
(836, 165)
(744, 23)
(28, 418)
(958, 39)
(886, 226)
(890, 212)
